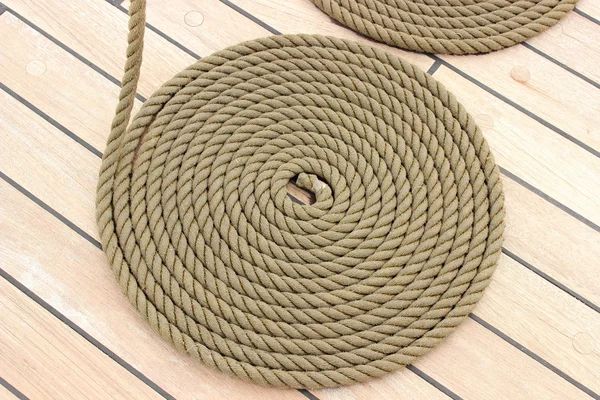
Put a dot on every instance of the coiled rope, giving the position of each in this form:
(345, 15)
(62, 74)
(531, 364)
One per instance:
(195, 220)
(448, 26)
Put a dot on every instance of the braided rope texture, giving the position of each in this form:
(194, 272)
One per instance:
(448, 26)
(195, 220)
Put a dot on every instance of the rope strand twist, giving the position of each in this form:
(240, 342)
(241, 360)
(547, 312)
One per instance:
(195, 220)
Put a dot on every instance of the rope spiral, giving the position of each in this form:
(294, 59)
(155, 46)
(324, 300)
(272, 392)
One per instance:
(195, 220)
(448, 26)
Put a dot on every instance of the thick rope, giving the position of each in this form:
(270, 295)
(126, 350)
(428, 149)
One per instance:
(448, 26)
(195, 220)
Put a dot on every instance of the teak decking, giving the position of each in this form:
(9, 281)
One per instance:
(534, 335)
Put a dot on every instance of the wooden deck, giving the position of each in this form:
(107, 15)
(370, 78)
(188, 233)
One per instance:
(66, 331)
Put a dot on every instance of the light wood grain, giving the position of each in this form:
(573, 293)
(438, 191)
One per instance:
(220, 27)
(6, 394)
(544, 319)
(400, 385)
(304, 17)
(551, 92)
(573, 41)
(81, 108)
(493, 373)
(46, 359)
(591, 7)
(552, 241)
(302, 195)
(95, 30)
(29, 150)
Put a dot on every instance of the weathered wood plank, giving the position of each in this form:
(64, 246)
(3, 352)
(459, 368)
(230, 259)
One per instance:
(97, 31)
(591, 7)
(203, 26)
(46, 359)
(544, 319)
(304, 17)
(574, 42)
(225, 21)
(39, 155)
(399, 385)
(491, 374)
(552, 240)
(6, 394)
(541, 87)
(45, 75)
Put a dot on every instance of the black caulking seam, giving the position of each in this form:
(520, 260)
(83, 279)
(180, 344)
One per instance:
(586, 15)
(52, 121)
(16, 392)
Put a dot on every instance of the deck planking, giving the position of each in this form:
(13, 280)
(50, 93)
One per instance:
(534, 333)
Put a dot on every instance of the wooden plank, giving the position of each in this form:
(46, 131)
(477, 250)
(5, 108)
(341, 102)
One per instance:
(43, 73)
(504, 293)
(550, 91)
(221, 27)
(6, 394)
(530, 150)
(544, 319)
(493, 371)
(591, 7)
(203, 26)
(29, 151)
(552, 241)
(304, 17)
(574, 42)
(97, 30)
(540, 86)
(399, 385)
(72, 275)
(36, 344)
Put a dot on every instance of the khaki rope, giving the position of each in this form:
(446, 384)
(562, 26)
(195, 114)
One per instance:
(448, 26)
(195, 220)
